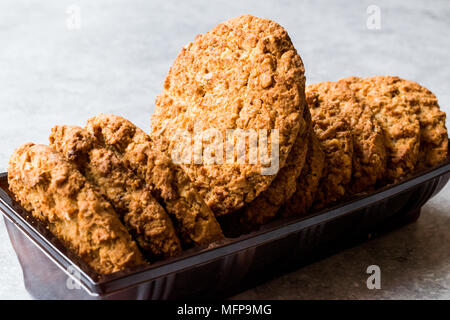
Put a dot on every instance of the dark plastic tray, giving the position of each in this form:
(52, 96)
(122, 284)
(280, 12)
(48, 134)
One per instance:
(51, 271)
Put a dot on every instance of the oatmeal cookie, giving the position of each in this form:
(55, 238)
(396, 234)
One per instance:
(141, 213)
(398, 117)
(308, 181)
(243, 74)
(193, 219)
(50, 187)
(369, 151)
(433, 132)
(264, 208)
(335, 136)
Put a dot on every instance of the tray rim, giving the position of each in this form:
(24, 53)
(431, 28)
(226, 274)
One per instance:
(102, 285)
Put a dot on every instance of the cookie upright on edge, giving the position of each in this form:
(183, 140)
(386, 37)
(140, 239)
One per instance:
(369, 151)
(55, 192)
(308, 181)
(397, 116)
(146, 220)
(243, 74)
(433, 133)
(264, 208)
(336, 139)
(193, 220)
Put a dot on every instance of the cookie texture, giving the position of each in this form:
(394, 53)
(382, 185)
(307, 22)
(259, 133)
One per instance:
(335, 136)
(193, 219)
(145, 219)
(243, 74)
(369, 151)
(308, 181)
(398, 117)
(55, 192)
(433, 132)
(264, 208)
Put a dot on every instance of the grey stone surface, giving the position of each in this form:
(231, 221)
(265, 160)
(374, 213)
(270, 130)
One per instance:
(117, 62)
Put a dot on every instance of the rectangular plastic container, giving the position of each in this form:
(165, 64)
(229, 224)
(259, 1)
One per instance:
(51, 271)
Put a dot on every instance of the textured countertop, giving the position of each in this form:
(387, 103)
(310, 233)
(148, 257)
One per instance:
(55, 71)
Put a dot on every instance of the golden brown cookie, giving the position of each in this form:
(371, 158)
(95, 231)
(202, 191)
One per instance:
(194, 221)
(243, 74)
(308, 181)
(264, 208)
(398, 117)
(143, 216)
(433, 133)
(55, 192)
(369, 151)
(335, 136)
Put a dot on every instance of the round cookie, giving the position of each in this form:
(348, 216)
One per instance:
(398, 118)
(433, 133)
(243, 74)
(334, 134)
(265, 206)
(369, 152)
(308, 181)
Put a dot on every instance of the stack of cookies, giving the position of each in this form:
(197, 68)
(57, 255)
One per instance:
(237, 140)
(373, 131)
(245, 74)
(111, 195)
(336, 139)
